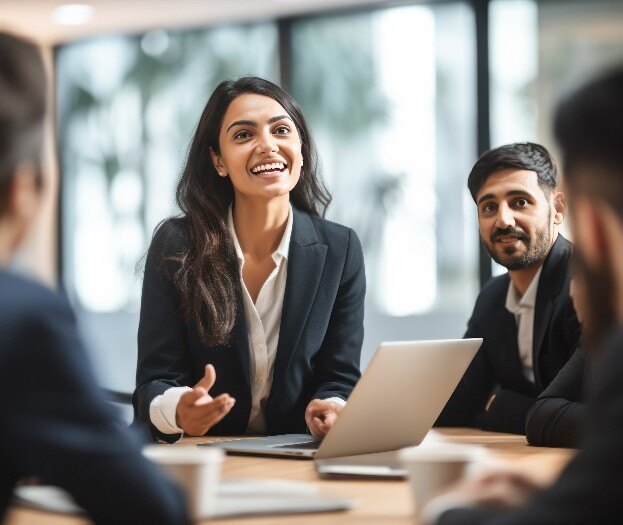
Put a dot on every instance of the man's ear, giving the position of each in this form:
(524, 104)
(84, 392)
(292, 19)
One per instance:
(560, 207)
(589, 230)
(23, 192)
(218, 163)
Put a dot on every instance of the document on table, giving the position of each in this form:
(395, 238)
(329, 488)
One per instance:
(236, 498)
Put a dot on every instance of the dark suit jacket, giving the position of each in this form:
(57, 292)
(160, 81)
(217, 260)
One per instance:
(558, 418)
(320, 336)
(58, 426)
(589, 489)
(497, 366)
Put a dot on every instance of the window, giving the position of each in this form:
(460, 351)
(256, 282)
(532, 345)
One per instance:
(390, 96)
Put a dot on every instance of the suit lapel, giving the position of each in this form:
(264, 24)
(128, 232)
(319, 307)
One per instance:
(514, 377)
(306, 259)
(511, 361)
(551, 282)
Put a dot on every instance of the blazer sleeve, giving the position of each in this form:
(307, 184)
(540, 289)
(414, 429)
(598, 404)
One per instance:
(336, 365)
(163, 357)
(507, 412)
(465, 408)
(62, 431)
(558, 418)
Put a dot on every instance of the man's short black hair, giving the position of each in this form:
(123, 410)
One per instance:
(589, 128)
(22, 107)
(520, 156)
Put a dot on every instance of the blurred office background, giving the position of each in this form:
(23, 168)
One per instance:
(400, 96)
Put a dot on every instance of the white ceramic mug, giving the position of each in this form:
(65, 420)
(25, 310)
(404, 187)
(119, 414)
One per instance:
(196, 469)
(435, 467)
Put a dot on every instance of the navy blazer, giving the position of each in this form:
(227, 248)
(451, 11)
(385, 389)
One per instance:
(58, 428)
(497, 366)
(320, 335)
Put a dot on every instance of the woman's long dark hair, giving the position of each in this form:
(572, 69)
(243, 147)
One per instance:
(208, 279)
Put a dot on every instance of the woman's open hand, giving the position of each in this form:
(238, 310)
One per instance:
(197, 412)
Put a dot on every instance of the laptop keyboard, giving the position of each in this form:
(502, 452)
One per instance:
(308, 445)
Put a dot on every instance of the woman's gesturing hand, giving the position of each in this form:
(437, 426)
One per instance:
(197, 412)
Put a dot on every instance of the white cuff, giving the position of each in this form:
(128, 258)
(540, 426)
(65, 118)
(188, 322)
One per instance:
(337, 401)
(163, 408)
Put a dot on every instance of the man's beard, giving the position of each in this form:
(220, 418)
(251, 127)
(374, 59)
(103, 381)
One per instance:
(536, 249)
(599, 292)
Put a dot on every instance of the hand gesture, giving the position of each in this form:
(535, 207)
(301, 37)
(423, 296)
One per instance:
(197, 412)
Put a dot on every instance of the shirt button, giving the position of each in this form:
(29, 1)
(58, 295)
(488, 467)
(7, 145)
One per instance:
(260, 348)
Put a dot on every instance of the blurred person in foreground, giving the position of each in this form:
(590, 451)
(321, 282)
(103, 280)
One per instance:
(58, 428)
(589, 128)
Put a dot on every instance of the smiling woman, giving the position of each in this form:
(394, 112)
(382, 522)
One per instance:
(252, 306)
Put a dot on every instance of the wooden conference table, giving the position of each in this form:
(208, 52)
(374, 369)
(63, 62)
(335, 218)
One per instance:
(380, 501)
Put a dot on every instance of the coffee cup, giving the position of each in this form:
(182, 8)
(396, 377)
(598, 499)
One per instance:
(433, 468)
(196, 469)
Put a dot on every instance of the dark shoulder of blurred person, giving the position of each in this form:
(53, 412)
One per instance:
(57, 427)
(558, 418)
(590, 487)
(60, 429)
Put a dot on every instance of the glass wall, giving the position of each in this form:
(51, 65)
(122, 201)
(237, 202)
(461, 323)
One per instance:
(577, 40)
(390, 96)
(539, 52)
(127, 108)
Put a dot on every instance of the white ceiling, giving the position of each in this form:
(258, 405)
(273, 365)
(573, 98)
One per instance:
(33, 18)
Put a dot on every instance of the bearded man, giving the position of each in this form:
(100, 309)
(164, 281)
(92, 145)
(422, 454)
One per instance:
(525, 316)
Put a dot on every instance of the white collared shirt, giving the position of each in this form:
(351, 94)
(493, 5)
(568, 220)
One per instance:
(523, 309)
(263, 324)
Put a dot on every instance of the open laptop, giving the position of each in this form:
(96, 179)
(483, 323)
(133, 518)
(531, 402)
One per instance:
(394, 404)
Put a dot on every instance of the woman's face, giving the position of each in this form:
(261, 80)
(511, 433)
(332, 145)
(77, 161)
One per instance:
(260, 148)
